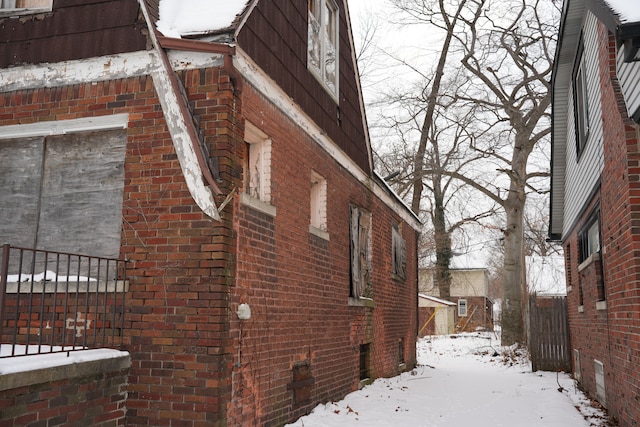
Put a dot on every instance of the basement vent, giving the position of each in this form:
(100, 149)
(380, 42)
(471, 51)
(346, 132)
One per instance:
(302, 383)
(600, 390)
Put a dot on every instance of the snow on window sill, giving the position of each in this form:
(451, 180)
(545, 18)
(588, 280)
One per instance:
(569, 289)
(581, 309)
(601, 305)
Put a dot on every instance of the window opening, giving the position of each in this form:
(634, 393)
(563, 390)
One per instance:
(462, 308)
(364, 361)
(257, 174)
(360, 252)
(322, 50)
(318, 201)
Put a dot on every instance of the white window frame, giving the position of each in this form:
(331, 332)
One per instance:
(463, 307)
(257, 174)
(13, 7)
(323, 44)
(318, 206)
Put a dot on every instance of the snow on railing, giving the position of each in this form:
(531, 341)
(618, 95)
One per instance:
(58, 302)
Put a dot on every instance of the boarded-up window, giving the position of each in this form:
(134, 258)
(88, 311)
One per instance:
(302, 383)
(63, 192)
(360, 248)
(398, 253)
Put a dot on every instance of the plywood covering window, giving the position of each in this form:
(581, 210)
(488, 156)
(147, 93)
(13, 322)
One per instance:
(360, 252)
(63, 192)
(322, 49)
(398, 252)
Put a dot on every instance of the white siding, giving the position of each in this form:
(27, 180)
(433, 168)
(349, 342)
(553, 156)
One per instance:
(629, 76)
(582, 175)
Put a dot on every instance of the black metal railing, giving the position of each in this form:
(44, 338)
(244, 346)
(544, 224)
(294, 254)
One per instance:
(54, 302)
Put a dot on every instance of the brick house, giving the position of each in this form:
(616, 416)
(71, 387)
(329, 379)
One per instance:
(469, 292)
(270, 267)
(594, 189)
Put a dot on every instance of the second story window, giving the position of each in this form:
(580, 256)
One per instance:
(580, 100)
(322, 49)
(20, 7)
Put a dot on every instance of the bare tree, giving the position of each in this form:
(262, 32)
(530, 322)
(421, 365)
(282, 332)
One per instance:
(499, 58)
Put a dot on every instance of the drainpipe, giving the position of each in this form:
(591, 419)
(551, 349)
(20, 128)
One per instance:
(206, 47)
(183, 133)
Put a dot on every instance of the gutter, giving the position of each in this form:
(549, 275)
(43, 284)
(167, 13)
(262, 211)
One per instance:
(184, 135)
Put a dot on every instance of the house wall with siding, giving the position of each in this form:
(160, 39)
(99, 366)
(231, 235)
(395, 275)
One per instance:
(583, 174)
(275, 36)
(608, 329)
(629, 76)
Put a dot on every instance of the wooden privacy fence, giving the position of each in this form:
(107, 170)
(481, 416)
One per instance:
(549, 334)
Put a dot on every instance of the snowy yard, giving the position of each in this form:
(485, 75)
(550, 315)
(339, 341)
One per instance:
(463, 380)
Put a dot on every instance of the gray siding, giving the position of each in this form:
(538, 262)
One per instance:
(583, 174)
(629, 76)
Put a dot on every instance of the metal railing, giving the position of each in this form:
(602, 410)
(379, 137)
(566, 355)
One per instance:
(53, 302)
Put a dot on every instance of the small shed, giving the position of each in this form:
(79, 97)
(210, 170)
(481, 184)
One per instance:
(437, 316)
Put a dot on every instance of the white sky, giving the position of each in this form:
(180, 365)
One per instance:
(181, 17)
(629, 10)
(461, 383)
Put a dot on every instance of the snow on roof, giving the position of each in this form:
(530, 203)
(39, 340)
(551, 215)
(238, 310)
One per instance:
(627, 10)
(435, 299)
(184, 17)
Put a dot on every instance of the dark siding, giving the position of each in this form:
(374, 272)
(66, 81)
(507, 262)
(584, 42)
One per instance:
(74, 29)
(275, 36)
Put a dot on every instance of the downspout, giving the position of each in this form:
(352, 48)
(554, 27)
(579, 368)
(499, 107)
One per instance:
(206, 47)
(183, 133)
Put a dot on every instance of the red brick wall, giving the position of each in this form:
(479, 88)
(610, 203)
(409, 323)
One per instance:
(612, 335)
(297, 284)
(177, 320)
(93, 400)
(193, 362)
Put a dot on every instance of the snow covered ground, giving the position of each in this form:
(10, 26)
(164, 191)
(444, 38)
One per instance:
(463, 380)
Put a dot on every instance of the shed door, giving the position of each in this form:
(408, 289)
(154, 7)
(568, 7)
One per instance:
(63, 192)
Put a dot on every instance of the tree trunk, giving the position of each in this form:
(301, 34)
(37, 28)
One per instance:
(443, 241)
(513, 330)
